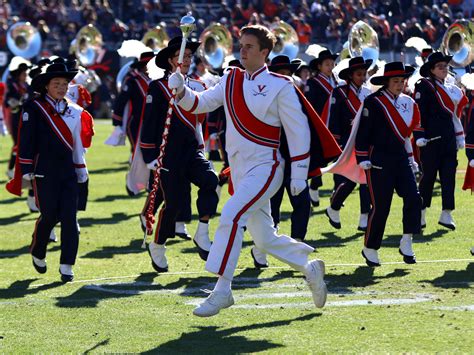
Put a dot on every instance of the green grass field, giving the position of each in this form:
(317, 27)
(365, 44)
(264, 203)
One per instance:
(117, 302)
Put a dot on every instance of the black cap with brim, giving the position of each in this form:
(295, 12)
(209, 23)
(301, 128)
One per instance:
(235, 63)
(55, 70)
(393, 70)
(281, 62)
(354, 64)
(143, 61)
(323, 55)
(161, 59)
(433, 59)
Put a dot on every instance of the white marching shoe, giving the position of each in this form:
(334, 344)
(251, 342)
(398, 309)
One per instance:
(216, 301)
(10, 173)
(406, 249)
(39, 264)
(67, 275)
(334, 217)
(181, 231)
(30, 201)
(259, 258)
(363, 220)
(52, 236)
(371, 257)
(314, 196)
(446, 220)
(158, 257)
(315, 271)
(423, 218)
(202, 241)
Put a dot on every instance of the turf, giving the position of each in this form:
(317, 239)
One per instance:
(117, 302)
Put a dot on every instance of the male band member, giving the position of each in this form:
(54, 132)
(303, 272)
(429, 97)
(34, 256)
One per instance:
(258, 104)
(345, 101)
(319, 90)
(183, 160)
(51, 157)
(439, 135)
(383, 150)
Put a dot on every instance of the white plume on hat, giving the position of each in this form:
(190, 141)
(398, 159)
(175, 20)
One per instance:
(132, 48)
(380, 71)
(418, 43)
(314, 50)
(343, 64)
(16, 62)
(155, 72)
(467, 80)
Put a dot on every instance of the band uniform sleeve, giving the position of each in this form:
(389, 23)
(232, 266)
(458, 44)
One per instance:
(27, 143)
(295, 124)
(153, 122)
(470, 135)
(424, 102)
(363, 134)
(122, 99)
(205, 101)
(335, 118)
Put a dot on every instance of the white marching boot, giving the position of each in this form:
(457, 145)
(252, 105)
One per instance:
(334, 217)
(406, 249)
(371, 257)
(202, 241)
(31, 202)
(216, 301)
(158, 257)
(446, 220)
(259, 258)
(315, 271)
(363, 220)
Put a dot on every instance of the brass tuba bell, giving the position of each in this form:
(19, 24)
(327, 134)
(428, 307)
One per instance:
(216, 45)
(458, 41)
(363, 42)
(287, 40)
(24, 40)
(156, 38)
(86, 45)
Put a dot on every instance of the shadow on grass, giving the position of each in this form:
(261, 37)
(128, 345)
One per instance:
(124, 196)
(109, 170)
(14, 219)
(98, 345)
(113, 219)
(393, 240)
(13, 253)
(361, 277)
(9, 200)
(21, 288)
(108, 252)
(213, 339)
(331, 239)
(454, 278)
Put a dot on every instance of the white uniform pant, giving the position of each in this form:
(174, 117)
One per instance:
(249, 207)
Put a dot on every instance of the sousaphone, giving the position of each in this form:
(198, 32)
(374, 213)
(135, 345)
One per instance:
(287, 40)
(216, 45)
(458, 41)
(86, 45)
(364, 42)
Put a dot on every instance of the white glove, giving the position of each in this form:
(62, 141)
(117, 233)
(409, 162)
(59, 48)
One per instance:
(414, 165)
(176, 81)
(460, 142)
(29, 177)
(471, 163)
(366, 164)
(213, 136)
(421, 142)
(153, 165)
(82, 175)
(297, 186)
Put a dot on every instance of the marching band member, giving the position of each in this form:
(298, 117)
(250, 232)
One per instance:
(183, 161)
(133, 94)
(51, 157)
(344, 103)
(300, 203)
(383, 150)
(258, 104)
(469, 178)
(319, 89)
(439, 135)
(17, 94)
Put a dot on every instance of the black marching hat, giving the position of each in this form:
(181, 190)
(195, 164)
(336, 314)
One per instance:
(354, 64)
(235, 63)
(54, 70)
(282, 62)
(145, 57)
(323, 55)
(36, 70)
(392, 70)
(174, 45)
(433, 59)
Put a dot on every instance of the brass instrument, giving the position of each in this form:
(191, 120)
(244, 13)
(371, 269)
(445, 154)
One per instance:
(156, 38)
(287, 41)
(24, 40)
(364, 42)
(86, 45)
(216, 45)
(458, 41)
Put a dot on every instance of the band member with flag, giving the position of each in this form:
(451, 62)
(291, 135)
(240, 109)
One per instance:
(258, 104)
(183, 160)
(320, 88)
(51, 158)
(383, 149)
(345, 101)
(439, 135)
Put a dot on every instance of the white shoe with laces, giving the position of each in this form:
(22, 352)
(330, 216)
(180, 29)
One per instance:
(315, 278)
(216, 301)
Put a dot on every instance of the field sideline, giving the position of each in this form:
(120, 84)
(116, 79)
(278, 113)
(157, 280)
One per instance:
(117, 302)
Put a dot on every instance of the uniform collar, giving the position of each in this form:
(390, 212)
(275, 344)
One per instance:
(390, 95)
(256, 73)
(59, 105)
(355, 88)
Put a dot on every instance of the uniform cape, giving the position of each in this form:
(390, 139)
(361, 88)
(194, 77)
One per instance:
(15, 185)
(469, 179)
(346, 165)
(323, 148)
